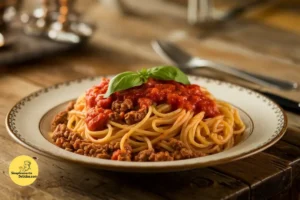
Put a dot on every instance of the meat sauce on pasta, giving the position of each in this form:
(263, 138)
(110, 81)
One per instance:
(157, 121)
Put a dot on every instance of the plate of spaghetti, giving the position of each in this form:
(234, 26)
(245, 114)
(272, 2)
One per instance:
(153, 120)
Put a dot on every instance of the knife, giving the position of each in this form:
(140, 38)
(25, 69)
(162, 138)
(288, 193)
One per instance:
(180, 58)
(287, 104)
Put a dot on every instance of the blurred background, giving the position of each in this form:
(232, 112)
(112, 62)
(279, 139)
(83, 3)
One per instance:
(71, 39)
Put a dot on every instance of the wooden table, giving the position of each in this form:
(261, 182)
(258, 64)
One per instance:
(264, 41)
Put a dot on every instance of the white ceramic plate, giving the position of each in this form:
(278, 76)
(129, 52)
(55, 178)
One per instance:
(28, 122)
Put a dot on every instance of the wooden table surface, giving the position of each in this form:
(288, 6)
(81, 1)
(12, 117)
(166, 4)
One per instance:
(265, 41)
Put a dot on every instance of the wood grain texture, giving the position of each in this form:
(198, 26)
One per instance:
(292, 136)
(265, 41)
(267, 175)
(291, 154)
(194, 184)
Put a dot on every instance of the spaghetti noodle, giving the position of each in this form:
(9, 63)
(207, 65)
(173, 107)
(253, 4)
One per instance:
(160, 120)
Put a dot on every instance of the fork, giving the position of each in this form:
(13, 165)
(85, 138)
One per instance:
(187, 62)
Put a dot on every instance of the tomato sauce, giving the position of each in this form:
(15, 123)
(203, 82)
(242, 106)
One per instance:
(189, 97)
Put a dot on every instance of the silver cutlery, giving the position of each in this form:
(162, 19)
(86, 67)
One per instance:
(287, 104)
(186, 62)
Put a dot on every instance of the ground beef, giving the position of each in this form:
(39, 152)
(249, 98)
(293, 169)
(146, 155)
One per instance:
(176, 144)
(70, 105)
(122, 106)
(183, 153)
(180, 152)
(59, 131)
(133, 117)
(64, 138)
(124, 156)
(116, 117)
(62, 117)
(144, 155)
(122, 111)
(150, 155)
(73, 142)
(161, 156)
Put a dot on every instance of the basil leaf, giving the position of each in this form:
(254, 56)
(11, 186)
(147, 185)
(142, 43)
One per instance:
(128, 80)
(168, 73)
(123, 81)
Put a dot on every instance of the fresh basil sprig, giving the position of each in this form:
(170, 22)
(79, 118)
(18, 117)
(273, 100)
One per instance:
(128, 80)
(123, 81)
(168, 73)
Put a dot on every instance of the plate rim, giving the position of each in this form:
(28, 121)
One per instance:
(148, 168)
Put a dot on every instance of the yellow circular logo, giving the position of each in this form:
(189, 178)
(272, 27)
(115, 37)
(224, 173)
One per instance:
(23, 170)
